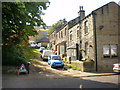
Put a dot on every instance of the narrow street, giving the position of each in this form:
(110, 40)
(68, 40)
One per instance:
(53, 81)
(80, 37)
(43, 77)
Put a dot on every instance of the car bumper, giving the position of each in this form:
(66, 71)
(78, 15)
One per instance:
(115, 70)
(57, 65)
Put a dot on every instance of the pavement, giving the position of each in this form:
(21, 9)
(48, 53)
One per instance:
(70, 72)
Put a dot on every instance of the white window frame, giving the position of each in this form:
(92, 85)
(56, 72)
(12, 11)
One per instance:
(112, 50)
(106, 47)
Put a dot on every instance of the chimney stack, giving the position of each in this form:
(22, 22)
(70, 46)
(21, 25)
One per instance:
(81, 13)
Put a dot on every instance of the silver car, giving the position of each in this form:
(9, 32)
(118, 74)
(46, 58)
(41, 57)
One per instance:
(116, 67)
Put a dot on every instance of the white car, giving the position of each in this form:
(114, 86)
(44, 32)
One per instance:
(46, 54)
(32, 44)
(116, 67)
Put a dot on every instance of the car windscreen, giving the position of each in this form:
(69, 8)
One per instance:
(56, 58)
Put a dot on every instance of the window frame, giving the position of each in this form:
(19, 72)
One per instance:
(110, 52)
(114, 55)
(71, 37)
(86, 24)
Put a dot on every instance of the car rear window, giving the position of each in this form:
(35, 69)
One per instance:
(48, 53)
(56, 58)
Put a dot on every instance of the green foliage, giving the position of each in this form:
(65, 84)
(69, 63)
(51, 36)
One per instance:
(78, 69)
(64, 59)
(18, 21)
(11, 55)
(66, 67)
(31, 53)
(74, 67)
(17, 55)
(56, 26)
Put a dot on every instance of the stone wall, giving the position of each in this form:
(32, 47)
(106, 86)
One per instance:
(106, 34)
(84, 66)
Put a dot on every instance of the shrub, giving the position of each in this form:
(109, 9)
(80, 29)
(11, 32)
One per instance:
(78, 69)
(74, 67)
(12, 55)
(64, 59)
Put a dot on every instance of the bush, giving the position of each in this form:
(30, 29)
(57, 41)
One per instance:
(66, 67)
(78, 69)
(64, 59)
(74, 67)
(12, 55)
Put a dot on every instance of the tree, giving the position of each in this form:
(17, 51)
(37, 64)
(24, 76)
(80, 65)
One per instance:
(56, 25)
(18, 20)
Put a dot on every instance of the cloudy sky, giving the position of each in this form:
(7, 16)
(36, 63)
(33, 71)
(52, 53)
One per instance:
(60, 9)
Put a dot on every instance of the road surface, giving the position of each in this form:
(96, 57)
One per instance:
(46, 79)
(43, 78)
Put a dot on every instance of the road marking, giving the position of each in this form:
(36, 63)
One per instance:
(81, 86)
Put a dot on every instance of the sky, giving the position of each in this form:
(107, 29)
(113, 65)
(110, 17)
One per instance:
(68, 9)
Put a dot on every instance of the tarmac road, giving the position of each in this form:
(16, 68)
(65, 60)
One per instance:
(39, 81)
(42, 76)
(46, 79)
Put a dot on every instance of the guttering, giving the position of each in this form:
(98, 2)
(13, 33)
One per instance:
(94, 26)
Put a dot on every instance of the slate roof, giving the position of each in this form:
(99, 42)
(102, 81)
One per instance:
(44, 32)
(44, 39)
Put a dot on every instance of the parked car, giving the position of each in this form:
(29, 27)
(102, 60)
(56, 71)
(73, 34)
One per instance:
(55, 61)
(46, 54)
(42, 48)
(116, 67)
(32, 44)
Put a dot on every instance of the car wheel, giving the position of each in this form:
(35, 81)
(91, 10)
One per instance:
(62, 66)
(52, 67)
(40, 56)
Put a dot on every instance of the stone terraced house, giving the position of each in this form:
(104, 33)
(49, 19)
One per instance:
(91, 42)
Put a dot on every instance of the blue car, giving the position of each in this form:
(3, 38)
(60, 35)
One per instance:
(55, 61)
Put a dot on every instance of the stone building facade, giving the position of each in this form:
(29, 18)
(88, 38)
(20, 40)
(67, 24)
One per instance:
(52, 39)
(107, 29)
(61, 39)
(73, 39)
(94, 38)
